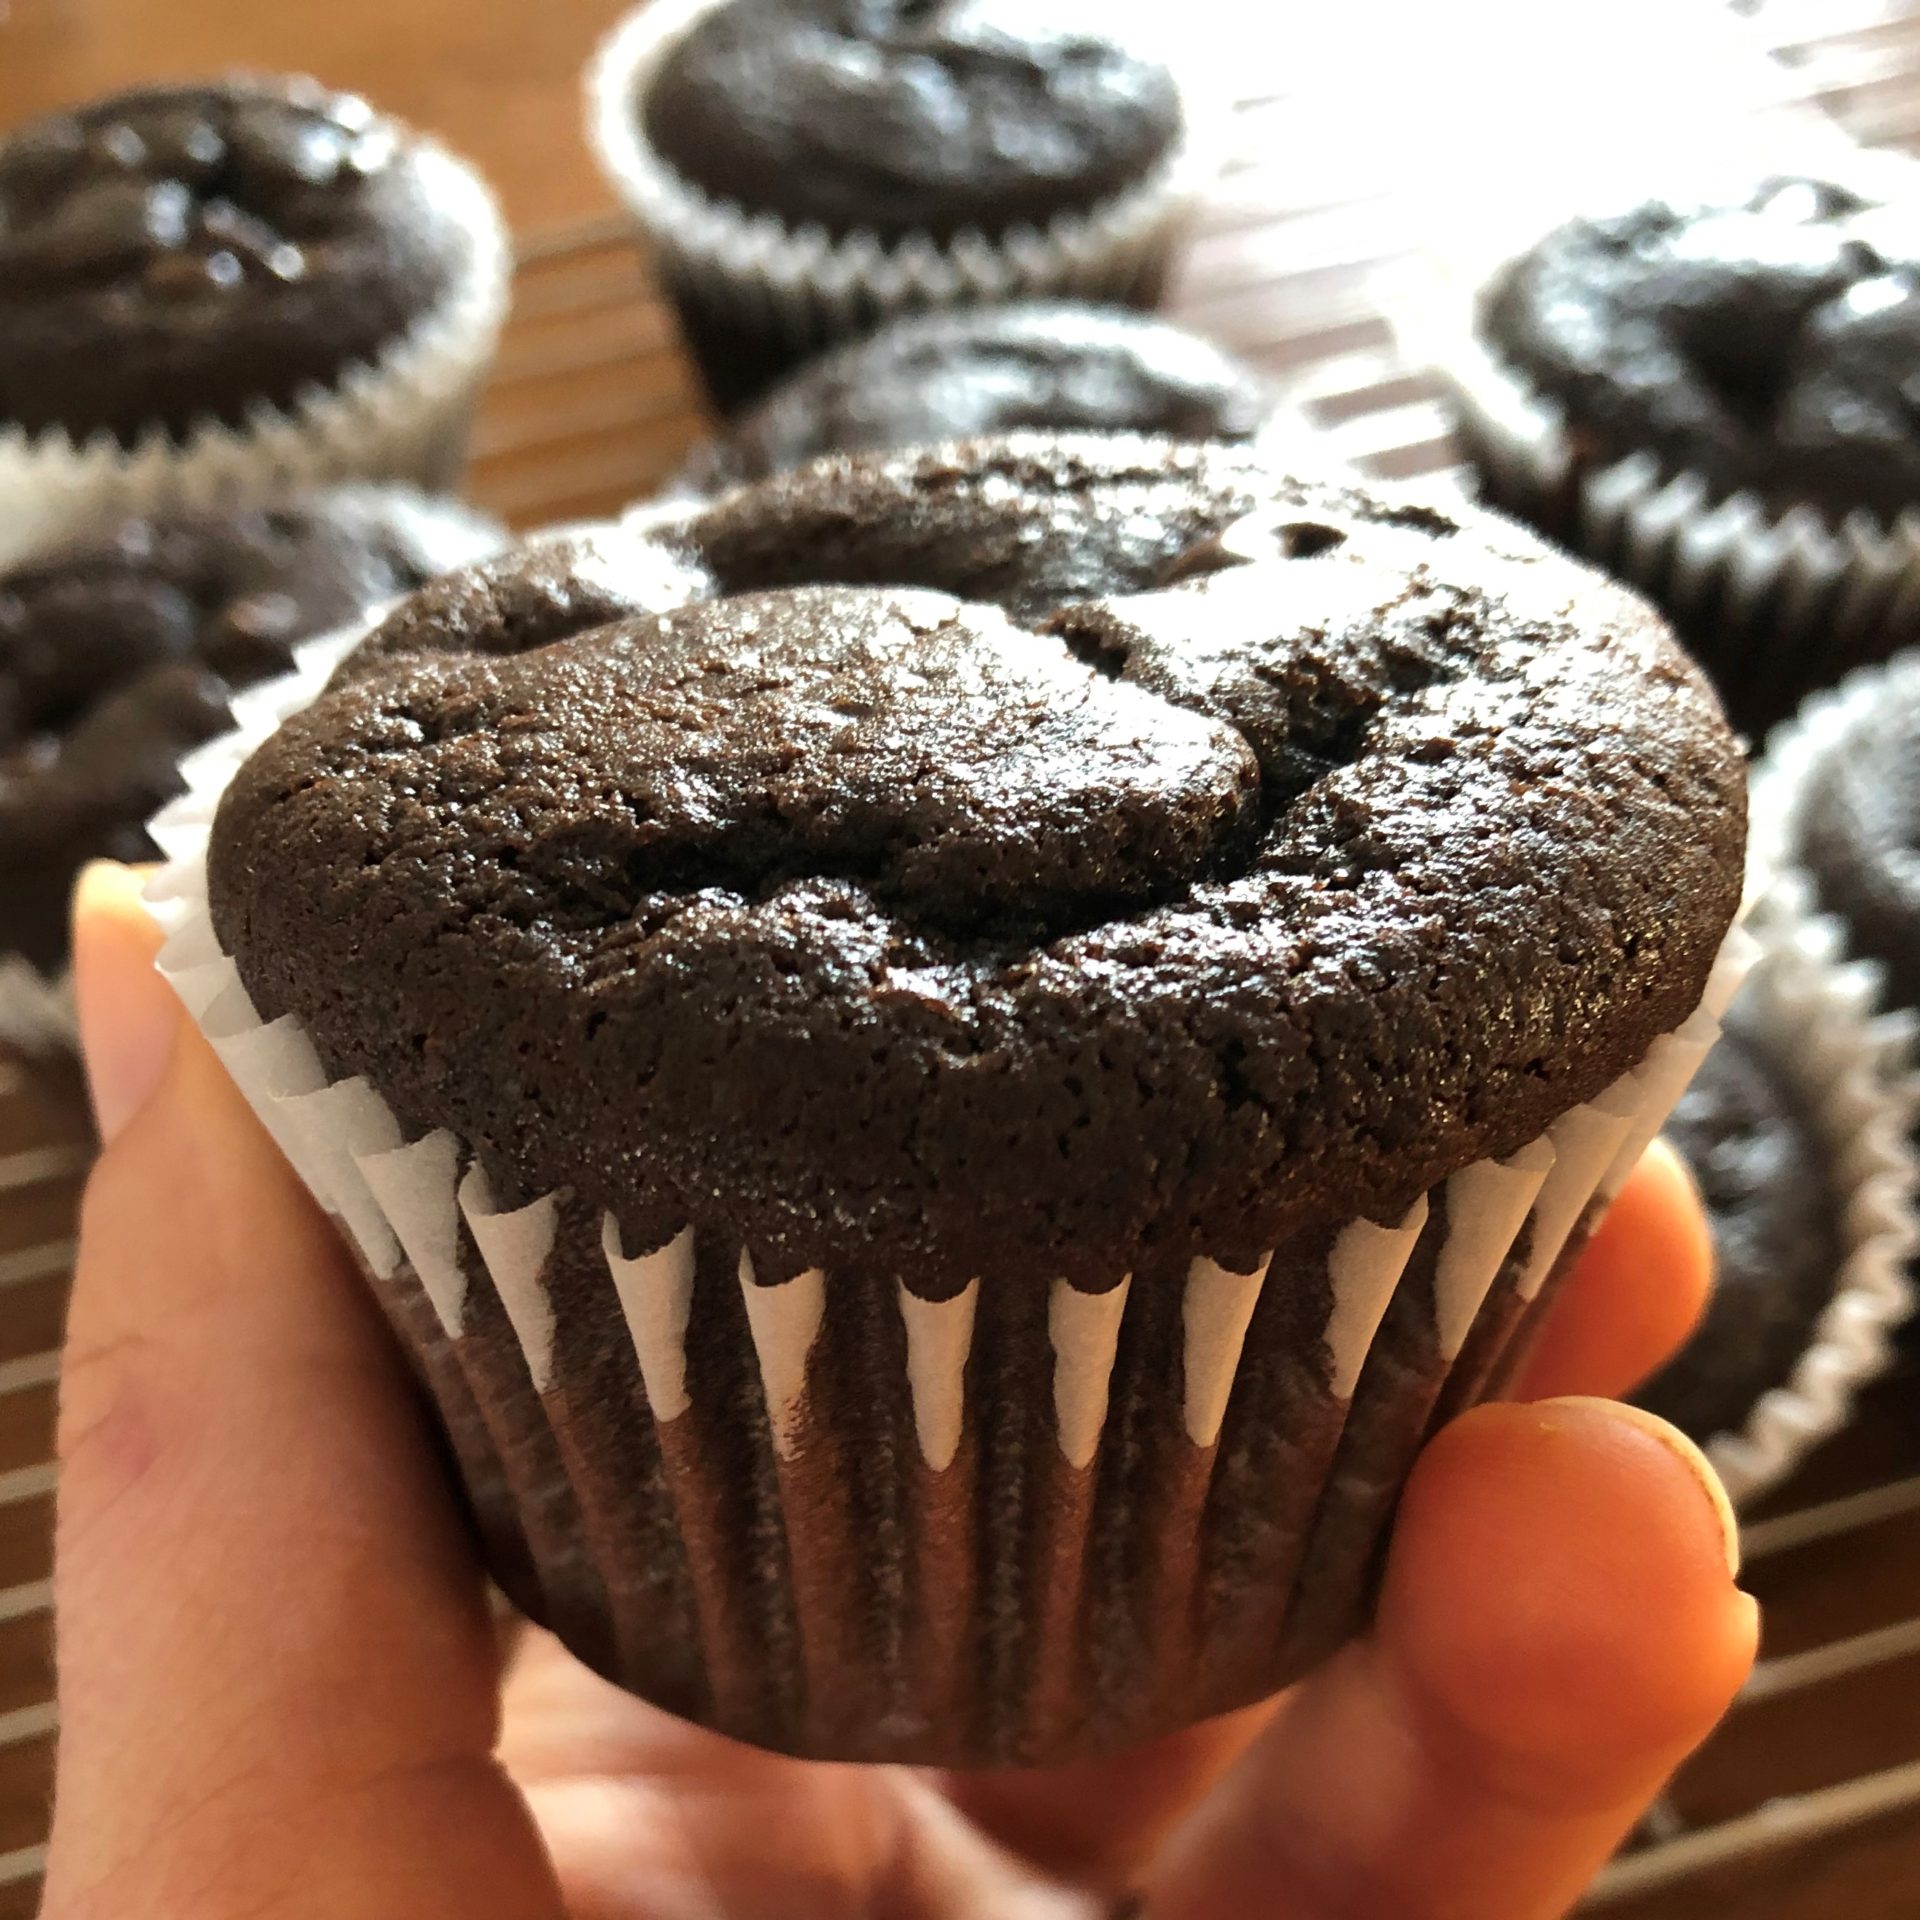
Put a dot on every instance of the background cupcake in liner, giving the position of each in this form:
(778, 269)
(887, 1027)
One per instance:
(1850, 1094)
(758, 295)
(863, 1518)
(1775, 596)
(400, 413)
(117, 654)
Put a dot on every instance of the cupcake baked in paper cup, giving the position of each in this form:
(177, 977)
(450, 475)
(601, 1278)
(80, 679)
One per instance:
(119, 651)
(760, 287)
(941, 1148)
(1760, 495)
(1799, 1134)
(317, 289)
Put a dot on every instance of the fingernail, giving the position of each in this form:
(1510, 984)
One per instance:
(1683, 1450)
(128, 1014)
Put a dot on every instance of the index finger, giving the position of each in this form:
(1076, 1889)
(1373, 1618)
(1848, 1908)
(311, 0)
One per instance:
(276, 1670)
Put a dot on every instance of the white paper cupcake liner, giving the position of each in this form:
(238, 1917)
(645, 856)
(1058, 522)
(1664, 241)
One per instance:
(798, 289)
(1778, 599)
(403, 415)
(1855, 1066)
(837, 1518)
(1778, 886)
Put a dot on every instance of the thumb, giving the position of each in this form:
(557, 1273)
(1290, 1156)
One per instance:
(276, 1671)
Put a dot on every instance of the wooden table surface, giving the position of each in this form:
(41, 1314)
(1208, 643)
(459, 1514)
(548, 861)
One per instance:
(1807, 1805)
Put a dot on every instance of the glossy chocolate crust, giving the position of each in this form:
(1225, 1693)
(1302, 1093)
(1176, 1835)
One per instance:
(1768, 1183)
(895, 117)
(1859, 831)
(190, 253)
(1037, 857)
(118, 654)
(1059, 365)
(1769, 344)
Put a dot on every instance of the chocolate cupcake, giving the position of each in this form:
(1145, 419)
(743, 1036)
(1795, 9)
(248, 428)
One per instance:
(1042, 999)
(1796, 1130)
(804, 168)
(1708, 395)
(120, 653)
(1844, 793)
(946, 376)
(217, 288)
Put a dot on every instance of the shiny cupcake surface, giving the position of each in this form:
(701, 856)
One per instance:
(896, 117)
(1767, 343)
(189, 253)
(119, 652)
(1029, 857)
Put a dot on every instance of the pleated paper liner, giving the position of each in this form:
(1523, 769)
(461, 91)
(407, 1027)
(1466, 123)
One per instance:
(403, 415)
(835, 1517)
(757, 296)
(1774, 600)
(1854, 1065)
(1831, 1006)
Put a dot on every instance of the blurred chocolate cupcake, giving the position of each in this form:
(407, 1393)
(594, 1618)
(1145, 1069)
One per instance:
(1843, 790)
(928, 377)
(120, 653)
(1796, 1130)
(1046, 995)
(1710, 396)
(215, 289)
(804, 168)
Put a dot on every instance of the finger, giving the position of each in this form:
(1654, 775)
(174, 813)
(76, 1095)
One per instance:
(276, 1673)
(649, 1818)
(127, 1010)
(1558, 1628)
(1098, 1823)
(1636, 1292)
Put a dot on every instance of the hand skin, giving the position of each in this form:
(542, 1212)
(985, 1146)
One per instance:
(282, 1699)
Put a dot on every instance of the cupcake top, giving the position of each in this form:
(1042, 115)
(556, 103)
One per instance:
(896, 117)
(1004, 858)
(1857, 827)
(1765, 1175)
(950, 375)
(189, 253)
(1767, 343)
(119, 653)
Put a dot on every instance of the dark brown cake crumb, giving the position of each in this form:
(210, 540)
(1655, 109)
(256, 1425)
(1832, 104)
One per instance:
(1023, 857)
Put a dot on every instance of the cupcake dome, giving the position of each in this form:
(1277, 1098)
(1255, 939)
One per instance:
(1766, 344)
(1052, 1003)
(191, 253)
(120, 652)
(945, 376)
(898, 117)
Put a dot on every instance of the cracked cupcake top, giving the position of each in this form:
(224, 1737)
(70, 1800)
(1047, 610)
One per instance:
(184, 253)
(119, 652)
(1005, 858)
(1770, 343)
(895, 117)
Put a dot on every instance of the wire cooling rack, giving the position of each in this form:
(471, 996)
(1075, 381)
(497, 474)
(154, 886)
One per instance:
(1806, 1805)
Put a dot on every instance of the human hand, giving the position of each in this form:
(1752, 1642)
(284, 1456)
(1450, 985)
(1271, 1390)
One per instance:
(282, 1694)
